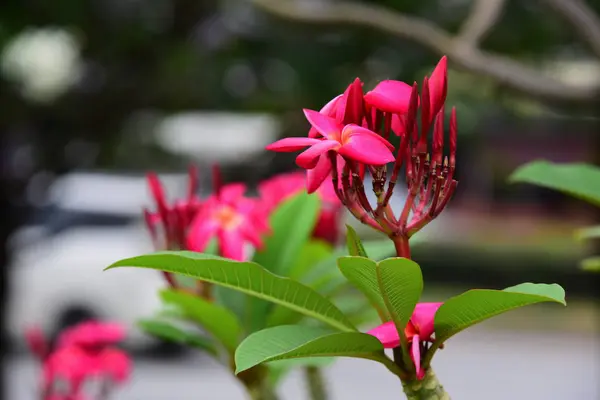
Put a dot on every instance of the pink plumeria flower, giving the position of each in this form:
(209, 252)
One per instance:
(70, 364)
(420, 329)
(390, 96)
(114, 364)
(277, 189)
(233, 219)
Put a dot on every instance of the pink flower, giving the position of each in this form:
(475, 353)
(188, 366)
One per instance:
(71, 364)
(277, 189)
(233, 219)
(420, 329)
(438, 87)
(351, 141)
(92, 334)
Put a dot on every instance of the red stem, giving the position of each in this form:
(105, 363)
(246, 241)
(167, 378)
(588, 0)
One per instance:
(402, 246)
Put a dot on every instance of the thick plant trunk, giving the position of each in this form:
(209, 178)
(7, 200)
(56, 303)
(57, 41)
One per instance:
(429, 388)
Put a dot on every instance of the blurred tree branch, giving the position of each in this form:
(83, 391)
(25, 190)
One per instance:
(462, 49)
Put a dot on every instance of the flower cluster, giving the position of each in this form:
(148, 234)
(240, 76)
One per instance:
(237, 222)
(82, 353)
(351, 134)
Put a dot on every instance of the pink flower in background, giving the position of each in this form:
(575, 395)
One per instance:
(37, 342)
(84, 351)
(419, 330)
(233, 219)
(281, 187)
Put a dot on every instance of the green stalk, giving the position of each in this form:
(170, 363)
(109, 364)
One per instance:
(429, 388)
(315, 383)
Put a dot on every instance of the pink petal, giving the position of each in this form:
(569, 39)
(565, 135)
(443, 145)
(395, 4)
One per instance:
(291, 144)
(317, 175)
(415, 355)
(423, 318)
(116, 364)
(251, 235)
(387, 335)
(232, 192)
(231, 244)
(201, 232)
(366, 149)
(352, 129)
(398, 125)
(390, 96)
(325, 125)
(353, 104)
(438, 86)
(330, 110)
(309, 158)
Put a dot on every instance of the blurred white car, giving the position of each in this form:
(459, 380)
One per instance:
(57, 279)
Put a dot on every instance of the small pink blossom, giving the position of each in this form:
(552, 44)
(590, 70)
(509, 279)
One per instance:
(233, 219)
(390, 96)
(92, 334)
(420, 329)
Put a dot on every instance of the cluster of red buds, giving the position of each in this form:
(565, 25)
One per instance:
(350, 136)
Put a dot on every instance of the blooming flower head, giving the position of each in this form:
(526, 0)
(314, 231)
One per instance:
(233, 219)
(419, 330)
(281, 187)
(349, 137)
(92, 334)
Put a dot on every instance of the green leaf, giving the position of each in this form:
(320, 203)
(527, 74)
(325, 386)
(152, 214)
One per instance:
(280, 368)
(591, 264)
(355, 246)
(591, 232)
(477, 305)
(297, 341)
(313, 252)
(576, 179)
(292, 224)
(362, 273)
(221, 323)
(246, 277)
(169, 332)
(401, 283)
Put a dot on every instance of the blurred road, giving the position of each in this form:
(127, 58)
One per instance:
(480, 364)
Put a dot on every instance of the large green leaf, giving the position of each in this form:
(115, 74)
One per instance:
(246, 277)
(297, 341)
(279, 369)
(477, 305)
(172, 333)
(292, 224)
(362, 273)
(401, 283)
(576, 179)
(221, 323)
(355, 246)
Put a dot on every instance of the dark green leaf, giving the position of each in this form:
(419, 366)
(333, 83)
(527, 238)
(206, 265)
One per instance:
(171, 333)
(221, 323)
(576, 179)
(297, 341)
(474, 306)
(246, 277)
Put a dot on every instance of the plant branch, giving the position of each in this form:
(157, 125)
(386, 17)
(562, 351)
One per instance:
(510, 73)
(483, 16)
(583, 20)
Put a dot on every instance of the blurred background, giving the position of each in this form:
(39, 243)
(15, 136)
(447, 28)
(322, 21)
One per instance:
(94, 93)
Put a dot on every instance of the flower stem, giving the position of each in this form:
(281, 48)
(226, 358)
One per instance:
(429, 388)
(315, 383)
(402, 246)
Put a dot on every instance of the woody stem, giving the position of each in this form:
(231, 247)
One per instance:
(428, 388)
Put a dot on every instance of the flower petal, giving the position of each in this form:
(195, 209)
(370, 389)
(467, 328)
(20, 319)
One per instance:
(390, 96)
(387, 335)
(423, 317)
(231, 244)
(309, 158)
(366, 149)
(201, 232)
(232, 192)
(438, 86)
(415, 355)
(398, 125)
(352, 129)
(291, 144)
(330, 110)
(317, 175)
(325, 125)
